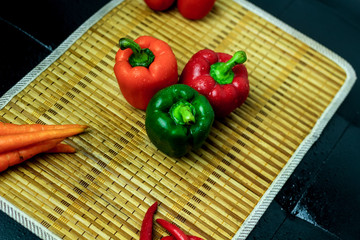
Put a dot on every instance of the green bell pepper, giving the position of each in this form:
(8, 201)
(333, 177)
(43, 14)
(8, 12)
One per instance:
(178, 119)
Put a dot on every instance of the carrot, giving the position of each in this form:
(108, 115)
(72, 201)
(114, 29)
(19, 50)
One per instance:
(10, 128)
(62, 148)
(16, 141)
(18, 156)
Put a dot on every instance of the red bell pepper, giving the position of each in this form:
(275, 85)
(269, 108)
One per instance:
(221, 78)
(195, 9)
(159, 5)
(143, 67)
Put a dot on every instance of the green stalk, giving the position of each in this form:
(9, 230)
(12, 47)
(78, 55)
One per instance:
(141, 56)
(183, 113)
(222, 72)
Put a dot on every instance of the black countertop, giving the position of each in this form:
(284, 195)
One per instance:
(321, 200)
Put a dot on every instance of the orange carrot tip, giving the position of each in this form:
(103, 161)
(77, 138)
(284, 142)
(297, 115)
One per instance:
(62, 148)
(18, 156)
(16, 141)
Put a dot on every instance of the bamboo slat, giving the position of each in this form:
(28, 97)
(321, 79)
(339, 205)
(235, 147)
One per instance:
(103, 190)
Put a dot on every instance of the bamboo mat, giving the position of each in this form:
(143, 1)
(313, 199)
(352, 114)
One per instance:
(217, 192)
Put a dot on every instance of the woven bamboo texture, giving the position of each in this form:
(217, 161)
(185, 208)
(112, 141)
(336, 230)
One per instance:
(103, 190)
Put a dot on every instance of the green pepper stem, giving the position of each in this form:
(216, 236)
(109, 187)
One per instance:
(222, 72)
(186, 114)
(183, 113)
(141, 56)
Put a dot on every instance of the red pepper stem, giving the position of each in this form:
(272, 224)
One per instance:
(222, 72)
(141, 56)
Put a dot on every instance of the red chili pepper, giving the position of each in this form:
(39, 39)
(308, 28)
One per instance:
(189, 236)
(147, 224)
(159, 5)
(222, 79)
(173, 229)
(143, 67)
(195, 9)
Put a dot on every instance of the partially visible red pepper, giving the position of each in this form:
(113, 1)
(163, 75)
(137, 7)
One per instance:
(159, 5)
(195, 9)
(143, 67)
(147, 224)
(222, 79)
(173, 229)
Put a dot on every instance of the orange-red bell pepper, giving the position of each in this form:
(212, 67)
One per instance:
(143, 67)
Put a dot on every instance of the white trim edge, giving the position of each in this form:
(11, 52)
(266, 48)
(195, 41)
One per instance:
(280, 180)
(61, 49)
(303, 148)
(5, 206)
(26, 221)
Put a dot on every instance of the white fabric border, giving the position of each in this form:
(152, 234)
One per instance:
(5, 206)
(26, 221)
(300, 152)
(280, 180)
(61, 49)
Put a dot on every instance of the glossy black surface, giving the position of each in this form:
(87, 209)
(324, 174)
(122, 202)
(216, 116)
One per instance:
(321, 200)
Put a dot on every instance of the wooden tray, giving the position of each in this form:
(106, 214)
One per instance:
(218, 192)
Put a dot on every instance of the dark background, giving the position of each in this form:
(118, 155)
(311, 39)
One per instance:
(321, 200)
